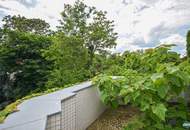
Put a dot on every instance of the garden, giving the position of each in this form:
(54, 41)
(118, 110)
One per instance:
(147, 89)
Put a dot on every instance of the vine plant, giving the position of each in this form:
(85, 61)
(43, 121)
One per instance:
(154, 86)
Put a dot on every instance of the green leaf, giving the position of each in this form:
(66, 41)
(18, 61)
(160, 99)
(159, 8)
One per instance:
(144, 105)
(156, 76)
(172, 70)
(103, 97)
(126, 99)
(135, 95)
(162, 90)
(123, 92)
(159, 126)
(161, 87)
(159, 110)
(114, 104)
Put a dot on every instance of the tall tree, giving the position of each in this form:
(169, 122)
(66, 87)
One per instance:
(188, 43)
(23, 24)
(69, 58)
(91, 25)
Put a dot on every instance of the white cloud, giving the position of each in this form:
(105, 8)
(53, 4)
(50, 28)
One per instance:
(174, 39)
(139, 23)
(178, 40)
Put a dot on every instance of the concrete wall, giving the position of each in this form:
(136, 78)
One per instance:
(77, 111)
(88, 107)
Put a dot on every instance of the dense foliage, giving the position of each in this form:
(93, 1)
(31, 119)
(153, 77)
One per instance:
(69, 58)
(151, 80)
(22, 66)
(33, 59)
(23, 24)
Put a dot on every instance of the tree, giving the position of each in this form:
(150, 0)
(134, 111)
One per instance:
(188, 43)
(91, 25)
(22, 67)
(23, 24)
(69, 58)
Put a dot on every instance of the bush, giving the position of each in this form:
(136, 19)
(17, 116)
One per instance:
(152, 86)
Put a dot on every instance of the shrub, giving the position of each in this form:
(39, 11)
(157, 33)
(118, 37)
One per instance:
(152, 87)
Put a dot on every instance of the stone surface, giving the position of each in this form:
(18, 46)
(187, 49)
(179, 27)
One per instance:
(113, 119)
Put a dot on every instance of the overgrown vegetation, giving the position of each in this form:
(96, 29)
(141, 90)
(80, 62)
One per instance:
(153, 81)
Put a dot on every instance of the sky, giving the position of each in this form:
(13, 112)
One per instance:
(140, 24)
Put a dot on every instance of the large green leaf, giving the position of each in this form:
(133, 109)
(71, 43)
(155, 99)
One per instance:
(159, 110)
(161, 87)
(162, 90)
(172, 70)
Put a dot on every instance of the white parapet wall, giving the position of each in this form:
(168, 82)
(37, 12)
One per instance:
(73, 108)
(77, 111)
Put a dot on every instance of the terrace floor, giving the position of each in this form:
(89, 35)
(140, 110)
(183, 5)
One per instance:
(114, 119)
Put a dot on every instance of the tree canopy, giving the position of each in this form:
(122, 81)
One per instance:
(23, 24)
(91, 25)
(22, 66)
(68, 57)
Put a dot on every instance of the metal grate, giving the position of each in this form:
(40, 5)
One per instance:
(53, 122)
(68, 115)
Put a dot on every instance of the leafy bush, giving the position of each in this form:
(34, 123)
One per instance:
(153, 85)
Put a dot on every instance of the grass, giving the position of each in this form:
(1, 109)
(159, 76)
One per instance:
(11, 108)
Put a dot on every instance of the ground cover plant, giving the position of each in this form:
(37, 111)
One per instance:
(153, 81)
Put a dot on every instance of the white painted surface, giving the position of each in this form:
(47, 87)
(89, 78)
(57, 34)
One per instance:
(88, 107)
